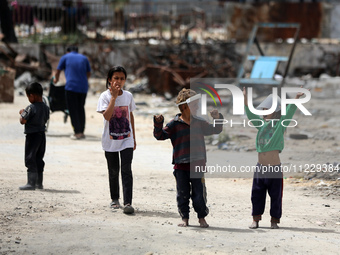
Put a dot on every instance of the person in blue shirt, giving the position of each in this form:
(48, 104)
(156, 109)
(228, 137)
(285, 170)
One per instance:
(77, 72)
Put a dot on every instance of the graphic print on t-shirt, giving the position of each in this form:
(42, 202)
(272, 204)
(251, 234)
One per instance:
(119, 125)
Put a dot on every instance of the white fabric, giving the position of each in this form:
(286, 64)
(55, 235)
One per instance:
(268, 102)
(123, 101)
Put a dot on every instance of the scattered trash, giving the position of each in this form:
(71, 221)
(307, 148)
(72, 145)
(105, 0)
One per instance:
(322, 183)
(320, 223)
(298, 136)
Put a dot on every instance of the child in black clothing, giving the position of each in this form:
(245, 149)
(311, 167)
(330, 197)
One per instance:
(34, 117)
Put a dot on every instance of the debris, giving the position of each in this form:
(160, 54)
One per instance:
(24, 62)
(298, 136)
(164, 79)
(169, 68)
(22, 80)
(7, 76)
(320, 223)
(322, 183)
(223, 146)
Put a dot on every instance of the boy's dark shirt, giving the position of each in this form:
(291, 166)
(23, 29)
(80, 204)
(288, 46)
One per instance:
(187, 148)
(36, 115)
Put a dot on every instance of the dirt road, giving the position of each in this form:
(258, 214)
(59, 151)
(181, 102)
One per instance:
(72, 215)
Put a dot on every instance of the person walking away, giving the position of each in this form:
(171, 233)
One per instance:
(77, 72)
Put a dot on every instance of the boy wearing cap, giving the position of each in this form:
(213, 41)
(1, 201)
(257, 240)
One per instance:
(269, 143)
(185, 160)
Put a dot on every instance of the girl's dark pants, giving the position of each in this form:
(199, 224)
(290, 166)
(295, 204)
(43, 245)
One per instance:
(273, 183)
(127, 180)
(76, 107)
(190, 187)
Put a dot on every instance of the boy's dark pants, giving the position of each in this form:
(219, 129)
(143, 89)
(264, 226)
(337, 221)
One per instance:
(127, 180)
(75, 105)
(190, 187)
(261, 184)
(35, 146)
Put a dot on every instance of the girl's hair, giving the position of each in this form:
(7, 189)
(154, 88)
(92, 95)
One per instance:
(113, 70)
(34, 88)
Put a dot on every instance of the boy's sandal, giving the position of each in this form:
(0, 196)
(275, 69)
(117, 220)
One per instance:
(115, 204)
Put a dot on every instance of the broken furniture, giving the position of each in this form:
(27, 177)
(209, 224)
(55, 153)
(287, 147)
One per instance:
(265, 67)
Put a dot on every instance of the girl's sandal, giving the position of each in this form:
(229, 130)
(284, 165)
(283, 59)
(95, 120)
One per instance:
(115, 204)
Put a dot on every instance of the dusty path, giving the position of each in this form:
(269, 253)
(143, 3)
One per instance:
(72, 215)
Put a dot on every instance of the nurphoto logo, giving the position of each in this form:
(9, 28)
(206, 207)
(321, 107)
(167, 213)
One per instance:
(238, 103)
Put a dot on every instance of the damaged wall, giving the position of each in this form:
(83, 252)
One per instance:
(217, 59)
(309, 15)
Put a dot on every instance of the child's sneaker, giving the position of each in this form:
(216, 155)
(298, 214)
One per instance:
(128, 209)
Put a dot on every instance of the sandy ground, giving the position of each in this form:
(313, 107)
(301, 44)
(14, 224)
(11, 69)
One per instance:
(72, 215)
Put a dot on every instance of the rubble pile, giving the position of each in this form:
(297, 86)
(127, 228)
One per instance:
(13, 65)
(39, 68)
(170, 67)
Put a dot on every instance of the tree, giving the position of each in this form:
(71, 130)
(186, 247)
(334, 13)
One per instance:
(6, 20)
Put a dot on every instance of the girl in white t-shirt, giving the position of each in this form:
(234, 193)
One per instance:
(118, 139)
